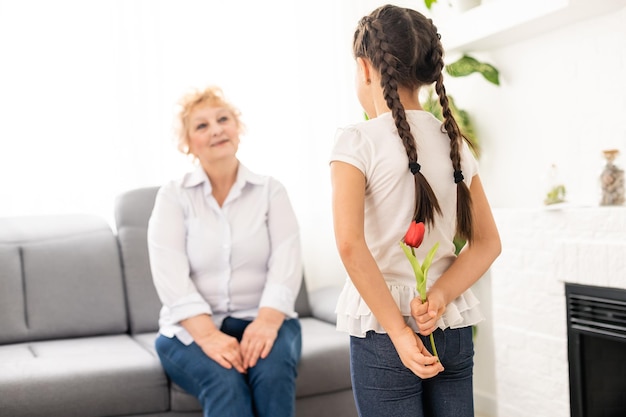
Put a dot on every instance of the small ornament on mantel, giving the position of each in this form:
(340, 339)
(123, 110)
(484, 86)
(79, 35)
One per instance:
(612, 180)
(556, 188)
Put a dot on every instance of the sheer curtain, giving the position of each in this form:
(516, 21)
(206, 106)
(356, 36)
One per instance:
(88, 92)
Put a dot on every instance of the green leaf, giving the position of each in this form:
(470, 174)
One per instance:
(467, 65)
(429, 259)
(425, 266)
(431, 104)
(459, 243)
(413, 260)
(421, 289)
(420, 279)
(429, 3)
(407, 252)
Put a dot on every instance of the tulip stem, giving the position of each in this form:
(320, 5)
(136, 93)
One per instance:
(423, 298)
(432, 339)
(432, 344)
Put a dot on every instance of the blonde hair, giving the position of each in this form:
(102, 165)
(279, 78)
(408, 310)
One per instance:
(210, 96)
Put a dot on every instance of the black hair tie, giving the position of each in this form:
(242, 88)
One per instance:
(458, 176)
(414, 167)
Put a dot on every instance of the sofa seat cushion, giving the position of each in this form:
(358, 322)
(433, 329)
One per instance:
(180, 400)
(325, 363)
(95, 376)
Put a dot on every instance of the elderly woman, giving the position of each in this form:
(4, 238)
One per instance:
(226, 261)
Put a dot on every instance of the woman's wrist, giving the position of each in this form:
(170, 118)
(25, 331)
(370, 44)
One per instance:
(271, 317)
(200, 326)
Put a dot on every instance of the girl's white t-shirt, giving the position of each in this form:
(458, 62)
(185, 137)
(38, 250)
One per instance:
(375, 148)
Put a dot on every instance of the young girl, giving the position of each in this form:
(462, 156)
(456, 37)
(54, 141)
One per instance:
(403, 165)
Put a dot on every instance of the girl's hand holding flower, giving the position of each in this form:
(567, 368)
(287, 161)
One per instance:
(426, 314)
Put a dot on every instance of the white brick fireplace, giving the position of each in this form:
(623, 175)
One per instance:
(542, 249)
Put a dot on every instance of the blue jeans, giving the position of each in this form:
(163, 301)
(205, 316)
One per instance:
(267, 390)
(384, 387)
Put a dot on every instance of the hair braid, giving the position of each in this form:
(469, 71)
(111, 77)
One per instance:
(426, 204)
(463, 200)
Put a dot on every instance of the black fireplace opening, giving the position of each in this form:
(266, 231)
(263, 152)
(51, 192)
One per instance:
(596, 333)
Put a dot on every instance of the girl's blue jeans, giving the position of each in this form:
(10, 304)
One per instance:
(384, 387)
(267, 390)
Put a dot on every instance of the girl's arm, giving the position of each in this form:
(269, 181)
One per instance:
(348, 217)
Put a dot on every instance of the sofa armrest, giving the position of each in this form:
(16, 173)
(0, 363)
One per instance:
(323, 301)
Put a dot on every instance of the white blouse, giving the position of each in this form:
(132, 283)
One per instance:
(375, 148)
(223, 261)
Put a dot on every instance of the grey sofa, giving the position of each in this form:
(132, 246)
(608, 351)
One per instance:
(78, 319)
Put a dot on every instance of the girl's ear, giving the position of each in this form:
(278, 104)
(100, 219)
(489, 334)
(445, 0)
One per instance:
(364, 68)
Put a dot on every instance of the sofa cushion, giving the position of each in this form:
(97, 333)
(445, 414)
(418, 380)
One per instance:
(13, 323)
(61, 277)
(98, 376)
(180, 400)
(325, 363)
(324, 301)
(132, 212)
(302, 306)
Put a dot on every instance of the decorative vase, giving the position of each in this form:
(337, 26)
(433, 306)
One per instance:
(612, 180)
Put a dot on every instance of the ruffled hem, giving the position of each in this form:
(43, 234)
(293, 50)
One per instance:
(355, 317)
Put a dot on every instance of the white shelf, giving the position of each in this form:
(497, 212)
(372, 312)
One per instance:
(500, 22)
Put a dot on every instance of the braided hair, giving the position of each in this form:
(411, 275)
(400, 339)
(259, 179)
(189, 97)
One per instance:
(404, 47)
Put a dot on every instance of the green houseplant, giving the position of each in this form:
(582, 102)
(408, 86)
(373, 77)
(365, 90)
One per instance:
(462, 67)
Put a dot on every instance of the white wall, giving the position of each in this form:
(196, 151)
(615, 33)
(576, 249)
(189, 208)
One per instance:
(545, 249)
(88, 93)
(561, 100)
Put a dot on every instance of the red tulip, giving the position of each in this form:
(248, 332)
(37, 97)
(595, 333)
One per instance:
(415, 235)
(413, 239)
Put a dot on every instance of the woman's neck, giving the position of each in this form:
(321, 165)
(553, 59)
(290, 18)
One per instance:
(222, 176)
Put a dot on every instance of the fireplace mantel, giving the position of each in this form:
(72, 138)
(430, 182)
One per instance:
(542, 249)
